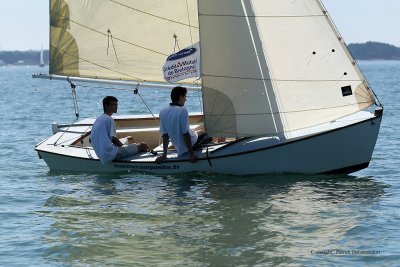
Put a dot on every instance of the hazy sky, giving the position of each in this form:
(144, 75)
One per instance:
(24, 23)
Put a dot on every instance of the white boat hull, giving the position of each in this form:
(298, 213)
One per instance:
(343, 147)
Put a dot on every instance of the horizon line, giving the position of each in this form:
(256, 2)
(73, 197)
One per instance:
(47, 49)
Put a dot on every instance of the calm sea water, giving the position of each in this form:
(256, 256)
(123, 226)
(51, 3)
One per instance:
(65, 219)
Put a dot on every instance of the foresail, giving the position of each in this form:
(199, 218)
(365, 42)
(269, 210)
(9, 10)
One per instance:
(270, 67)
(119, 39)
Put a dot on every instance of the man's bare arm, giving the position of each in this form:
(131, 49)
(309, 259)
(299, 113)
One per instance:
(116, 141)
(165, 149)
(189, 146)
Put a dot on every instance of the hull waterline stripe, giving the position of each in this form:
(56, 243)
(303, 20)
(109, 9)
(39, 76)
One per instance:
(345, 170)
(348, 170)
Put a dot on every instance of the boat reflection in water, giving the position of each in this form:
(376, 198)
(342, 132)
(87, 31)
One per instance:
(208, 220)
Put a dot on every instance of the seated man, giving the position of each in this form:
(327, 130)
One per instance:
(174, 125)
(103, 137)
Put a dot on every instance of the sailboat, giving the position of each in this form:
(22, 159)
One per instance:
(41, 62)
(276, 78)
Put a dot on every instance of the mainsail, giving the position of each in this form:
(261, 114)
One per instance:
(268, 67)
(119, 39)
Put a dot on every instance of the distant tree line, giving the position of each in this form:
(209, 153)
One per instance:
(31, 57)
(365, 51)
(374, 50)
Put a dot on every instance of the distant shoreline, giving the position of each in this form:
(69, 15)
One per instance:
(374, 51)
(23, 58)
(360, 51)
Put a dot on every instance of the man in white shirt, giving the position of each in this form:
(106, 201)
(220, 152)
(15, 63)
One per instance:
(174, 125)
(103, 137)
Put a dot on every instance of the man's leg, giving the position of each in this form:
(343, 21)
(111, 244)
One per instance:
(202, 139)
(127, 150)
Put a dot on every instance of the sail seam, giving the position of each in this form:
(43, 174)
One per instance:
(279, 80)
(152, 15)
(116, 38)
(240, 16)
(190, 25)
(286, 112)
(98, 65)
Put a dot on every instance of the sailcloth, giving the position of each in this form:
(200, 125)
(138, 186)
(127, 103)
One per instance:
(271, 67)
(268, 67)
(119, 39)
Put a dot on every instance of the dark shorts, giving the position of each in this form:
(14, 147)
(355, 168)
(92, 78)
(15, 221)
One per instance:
(202, 139)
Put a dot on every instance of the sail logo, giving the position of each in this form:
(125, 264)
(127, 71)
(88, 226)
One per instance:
(346, 90)
(181, 54)
(183, 65)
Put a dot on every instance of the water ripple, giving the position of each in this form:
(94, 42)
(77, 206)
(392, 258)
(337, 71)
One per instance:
(75, 219)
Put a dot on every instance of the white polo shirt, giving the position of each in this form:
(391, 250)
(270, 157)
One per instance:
(103, 130)
(174, 121)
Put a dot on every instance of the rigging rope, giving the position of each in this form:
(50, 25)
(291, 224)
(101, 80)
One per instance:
(150, 14)
(74, 99)
(76, 109)
(176, 43)
(190, 26)
(95, 64)
(65, 131)
(136, 92)
(108, 45)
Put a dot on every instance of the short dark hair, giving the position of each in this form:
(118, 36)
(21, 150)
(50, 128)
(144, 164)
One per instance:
(107, 101)
(177, 92)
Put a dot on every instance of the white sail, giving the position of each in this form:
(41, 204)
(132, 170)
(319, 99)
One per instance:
(276, 71)
(119, 39)
(268, 66)
(274, 66)
(41, 62)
